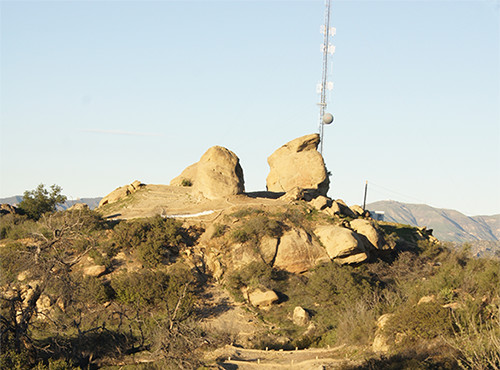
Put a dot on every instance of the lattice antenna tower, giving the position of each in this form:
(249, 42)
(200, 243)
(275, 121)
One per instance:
(327, 48)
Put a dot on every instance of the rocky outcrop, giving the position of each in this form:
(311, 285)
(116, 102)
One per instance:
(341, 244)
(299, 252)
(7, 208)
(367, 228)
(79, 207)
(217, 174)
(382, 342)
(120, 193)
(298, 164)
(339, 208)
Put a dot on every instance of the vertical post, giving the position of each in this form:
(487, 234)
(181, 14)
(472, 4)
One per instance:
(322, 103)
(364, 201)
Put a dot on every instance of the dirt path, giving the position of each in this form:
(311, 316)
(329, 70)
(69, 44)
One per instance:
(317, 358)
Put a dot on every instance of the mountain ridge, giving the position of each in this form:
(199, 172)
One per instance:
(448, 225)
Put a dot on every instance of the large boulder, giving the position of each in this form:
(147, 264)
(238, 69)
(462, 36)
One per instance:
(300, 316)
(262, 298)
(298, 164)
(368, 229)
(217, 174)
(299, 252)
(121, 192)
(341, 243)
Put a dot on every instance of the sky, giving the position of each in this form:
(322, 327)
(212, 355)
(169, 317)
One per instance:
(96, 94)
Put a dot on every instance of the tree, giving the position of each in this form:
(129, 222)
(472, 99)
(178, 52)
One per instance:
(39, 201)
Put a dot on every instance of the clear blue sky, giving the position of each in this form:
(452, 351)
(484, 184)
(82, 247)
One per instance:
(96, 94)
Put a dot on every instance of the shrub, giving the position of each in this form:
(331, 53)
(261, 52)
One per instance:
(153, 238)
(423, 321)
(186, 182)
(39, 201)
(256, 227)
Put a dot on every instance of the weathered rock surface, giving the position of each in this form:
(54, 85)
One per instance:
(300, 316)
(94, 271)
(121, 193)
(339, 208)
(298, 164)
(381, 342)
(321, 202)
(368, 229)
(78, 207)
(262, 298)
(298, 252)
(7, 208)
(340, 243)
(217, 174)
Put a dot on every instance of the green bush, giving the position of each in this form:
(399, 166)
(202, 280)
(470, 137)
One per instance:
(39, 201)
(423, 321)
(92, 289)
(186, 182)
(255, 227)
(14, 226)
(153, 238)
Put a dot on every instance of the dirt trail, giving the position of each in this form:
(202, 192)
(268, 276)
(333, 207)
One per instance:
(317, 358)
(168, 201)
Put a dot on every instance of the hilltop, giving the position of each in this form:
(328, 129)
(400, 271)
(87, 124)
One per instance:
(201, 273)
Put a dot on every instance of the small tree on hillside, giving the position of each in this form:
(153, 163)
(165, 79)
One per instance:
(40, 200)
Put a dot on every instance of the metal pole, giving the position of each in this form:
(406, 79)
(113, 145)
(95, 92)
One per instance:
(366, 191)
(322, 103)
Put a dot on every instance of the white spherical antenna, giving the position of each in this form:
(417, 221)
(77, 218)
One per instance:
(327, 118)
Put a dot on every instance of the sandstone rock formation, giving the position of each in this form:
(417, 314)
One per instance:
(339, 208)
(368, 229)
(217, 174)
(298, 164)
(121, 193)
(79, 207)
(7, 208)
(299, 252)
(342, 244)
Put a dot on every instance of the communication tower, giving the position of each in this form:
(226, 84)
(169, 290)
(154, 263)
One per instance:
(327, 49)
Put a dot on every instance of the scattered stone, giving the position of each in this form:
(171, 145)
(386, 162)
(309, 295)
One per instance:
(453, 306)
(298, 164)
(427, 299)
(94, 271)
(217, 174)
(300, 316)
(262, 298)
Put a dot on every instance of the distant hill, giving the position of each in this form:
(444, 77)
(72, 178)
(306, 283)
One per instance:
(91, 202)
(448, 225)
